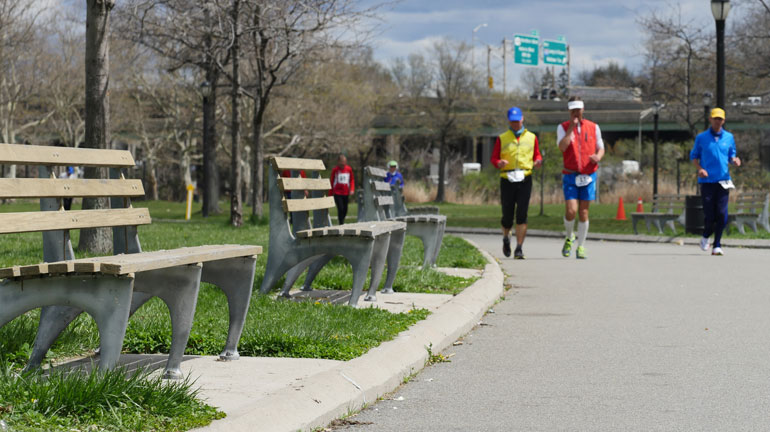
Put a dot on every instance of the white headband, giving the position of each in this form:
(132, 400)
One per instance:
(575, 105)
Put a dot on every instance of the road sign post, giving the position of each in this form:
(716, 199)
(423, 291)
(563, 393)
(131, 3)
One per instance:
(526, 49)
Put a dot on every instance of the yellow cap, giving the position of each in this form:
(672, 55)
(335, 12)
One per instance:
(718, 113)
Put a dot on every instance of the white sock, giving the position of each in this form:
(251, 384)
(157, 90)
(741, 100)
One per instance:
(569, 227)
(582, 232)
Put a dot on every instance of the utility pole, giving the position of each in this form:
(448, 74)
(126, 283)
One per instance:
(569, 74)
(655, 151)
(505, 74)
(489, 70)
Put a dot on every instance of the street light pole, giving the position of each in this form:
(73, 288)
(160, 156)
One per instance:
(706, 109)
(720, 9)
(473, 49)
(658, 106)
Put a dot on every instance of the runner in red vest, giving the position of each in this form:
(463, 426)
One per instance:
(581, 145)
(342, 186)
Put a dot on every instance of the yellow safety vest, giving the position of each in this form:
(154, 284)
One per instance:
(519, 152)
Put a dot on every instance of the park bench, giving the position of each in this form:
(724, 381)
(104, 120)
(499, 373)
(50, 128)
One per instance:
(379, 205)
(297, 244)
(400, 208)
(666, 209)
(751, 209)
(109, 288)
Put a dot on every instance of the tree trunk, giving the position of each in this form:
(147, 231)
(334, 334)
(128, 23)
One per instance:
(97, 108)
(210, 171)
(441, 194)
(236, 210)
(258, 172)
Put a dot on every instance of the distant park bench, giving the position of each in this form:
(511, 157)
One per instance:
(378, 204)
(109, 288)
(297, 244)
(666, 209)
(752, 210)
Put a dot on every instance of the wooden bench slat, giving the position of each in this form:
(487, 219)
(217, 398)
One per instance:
(290, 184)
(74, 219)
(376, 172)
(133, 263)
(382, 186)
(361, 229)
(50, 155)
(384, 200)
(306, 204)
(283, 163)
(79, 188)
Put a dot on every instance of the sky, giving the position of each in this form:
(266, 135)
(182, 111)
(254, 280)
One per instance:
(598, 31)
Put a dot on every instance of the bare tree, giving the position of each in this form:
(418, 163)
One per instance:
(283, 35)
(452, 84)
(675, 55)
(236, 208)
(20, 56)
(65, 91)
(188, 34)
(97, 107)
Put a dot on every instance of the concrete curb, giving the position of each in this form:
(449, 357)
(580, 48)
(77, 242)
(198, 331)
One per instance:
(678, 240)
(358, 382)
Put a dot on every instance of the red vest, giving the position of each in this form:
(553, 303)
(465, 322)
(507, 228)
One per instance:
(583, 145)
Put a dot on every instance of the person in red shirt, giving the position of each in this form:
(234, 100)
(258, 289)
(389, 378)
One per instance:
(343, 186)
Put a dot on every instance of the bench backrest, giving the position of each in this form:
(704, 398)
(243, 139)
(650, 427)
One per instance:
(53, 221)
(752, 202)
(287, 195)
(378, 196)
(668, 203)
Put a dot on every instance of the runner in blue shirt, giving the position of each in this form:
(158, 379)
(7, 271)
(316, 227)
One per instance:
(712, 153)
(393, 176)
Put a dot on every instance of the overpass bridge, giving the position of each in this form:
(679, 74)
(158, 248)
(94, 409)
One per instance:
(618, 120)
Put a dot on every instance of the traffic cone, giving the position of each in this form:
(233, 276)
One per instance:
(621, 210)
(639, 206)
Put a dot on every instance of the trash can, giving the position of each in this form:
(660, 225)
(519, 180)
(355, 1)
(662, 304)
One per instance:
(693, 217)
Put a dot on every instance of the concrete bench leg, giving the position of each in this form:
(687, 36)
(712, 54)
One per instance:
(178, 288)
(379, 256)
(394, 257)
(439, 240)
(235, 277)
(633, 222)
(313, 268)
(106, 299)
(430, 235)
(360, 257)
(659, 226)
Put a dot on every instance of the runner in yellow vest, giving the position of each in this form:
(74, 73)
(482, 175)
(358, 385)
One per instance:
(515, 154)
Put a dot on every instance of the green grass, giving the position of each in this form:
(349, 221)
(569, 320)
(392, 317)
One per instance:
(104, 401)
(273, 328)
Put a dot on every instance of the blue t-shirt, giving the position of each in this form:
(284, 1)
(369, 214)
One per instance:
(395, 178)
(714, 150)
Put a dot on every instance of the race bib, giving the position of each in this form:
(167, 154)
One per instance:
(583, 180)
(516, 176)
(727, 184)
(343, 178)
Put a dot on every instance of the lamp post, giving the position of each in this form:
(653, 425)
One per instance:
(658, 106)
(707, 96)
(720, 9)
(473, 49)
(208, 121)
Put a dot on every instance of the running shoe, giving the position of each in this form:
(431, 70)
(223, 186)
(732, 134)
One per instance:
(566, 250)
(704, 243)
(518, 253)
(506, 246)
(717, 251)
(580, 253)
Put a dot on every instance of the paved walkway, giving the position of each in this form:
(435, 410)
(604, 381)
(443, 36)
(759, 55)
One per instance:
(638, 337)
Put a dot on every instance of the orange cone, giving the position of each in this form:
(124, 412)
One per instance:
(639, 206)
(621, 210)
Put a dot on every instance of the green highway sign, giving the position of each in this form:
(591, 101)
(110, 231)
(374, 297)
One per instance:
(555, 52)
(526, 49)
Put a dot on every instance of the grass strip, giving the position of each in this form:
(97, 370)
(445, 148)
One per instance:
(106, 401)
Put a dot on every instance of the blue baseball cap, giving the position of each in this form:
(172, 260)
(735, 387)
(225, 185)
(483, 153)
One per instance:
(514, 114)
